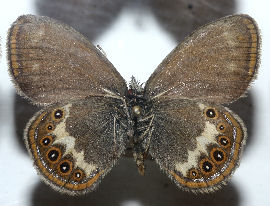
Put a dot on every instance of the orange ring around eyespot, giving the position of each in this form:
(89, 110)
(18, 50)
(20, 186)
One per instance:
(78, 178)
(213, 158)
(191, 174)
(213, 170)
(41, 140)
(59, 169)
(224, 137)
(215, 111)
(53, 113)
(59, 156)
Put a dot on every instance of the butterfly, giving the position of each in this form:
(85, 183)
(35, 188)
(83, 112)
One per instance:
(90, 115)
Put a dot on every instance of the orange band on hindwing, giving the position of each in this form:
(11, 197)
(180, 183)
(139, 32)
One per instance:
(229, 163)
(33, 146)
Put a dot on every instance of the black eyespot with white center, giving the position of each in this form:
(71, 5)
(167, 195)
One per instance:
(46, 141)
(218, 155)
(49, 127)
(207, 166)
(223, 141)
(58, 114)
(211, 113)
(65, 167)
(194, 173)
(78, 175)
(53, 155)
(221, 127)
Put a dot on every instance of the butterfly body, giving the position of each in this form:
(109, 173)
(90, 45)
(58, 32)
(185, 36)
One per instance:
(90, 118)
(141, 117)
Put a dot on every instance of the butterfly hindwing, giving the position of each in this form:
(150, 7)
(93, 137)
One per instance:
(196, 143)
(74, 145)
(216, 63)
(51, 62)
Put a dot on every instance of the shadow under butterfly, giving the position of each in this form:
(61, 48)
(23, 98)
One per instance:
(90, 116)
(123, 186)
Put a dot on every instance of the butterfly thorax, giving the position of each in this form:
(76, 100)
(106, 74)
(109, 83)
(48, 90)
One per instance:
(140, 114)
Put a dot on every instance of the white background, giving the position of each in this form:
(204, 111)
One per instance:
(18, 179)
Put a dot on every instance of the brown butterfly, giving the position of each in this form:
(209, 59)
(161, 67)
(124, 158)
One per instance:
(90, 117)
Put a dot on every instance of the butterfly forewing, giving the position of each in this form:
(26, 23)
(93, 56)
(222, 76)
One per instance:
(216, 63)
(51, 62)
(75, 145)
(197, 144)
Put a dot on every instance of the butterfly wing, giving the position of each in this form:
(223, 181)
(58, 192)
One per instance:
(194, 139)
(74, 145)
(197, 144)
(216, 63)
(51, 62)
